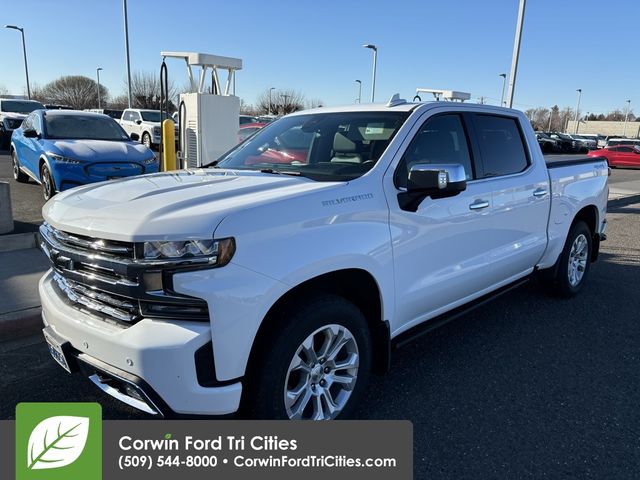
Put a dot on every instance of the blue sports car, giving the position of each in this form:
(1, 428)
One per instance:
(61, 149)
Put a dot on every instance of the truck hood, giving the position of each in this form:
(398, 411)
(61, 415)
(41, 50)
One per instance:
(182, 205)
(13, 116)
(99, 150)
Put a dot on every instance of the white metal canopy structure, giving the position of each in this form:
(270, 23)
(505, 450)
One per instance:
(207, 61)
(444, 95)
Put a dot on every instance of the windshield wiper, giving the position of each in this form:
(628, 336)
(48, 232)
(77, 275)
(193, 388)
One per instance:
(280, 172)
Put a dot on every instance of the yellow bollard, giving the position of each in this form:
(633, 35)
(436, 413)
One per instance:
(168, 146)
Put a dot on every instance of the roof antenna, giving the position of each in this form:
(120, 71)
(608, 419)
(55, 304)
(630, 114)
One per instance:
(396, 100)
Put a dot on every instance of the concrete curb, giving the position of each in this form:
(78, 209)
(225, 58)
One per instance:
(17, 241)
(20, 323)
(618, 202)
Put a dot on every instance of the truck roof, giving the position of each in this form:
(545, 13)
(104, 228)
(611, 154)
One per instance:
(399, 107)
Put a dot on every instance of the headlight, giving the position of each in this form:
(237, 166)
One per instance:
(61, 159)
(156, 130)
(219, 252)
(150, 161)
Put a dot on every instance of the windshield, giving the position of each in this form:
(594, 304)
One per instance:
(322, 146)
(154, 115)
(17, 106)
(81, 127)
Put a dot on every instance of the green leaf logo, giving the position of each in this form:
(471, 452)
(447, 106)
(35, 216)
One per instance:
(57, 442)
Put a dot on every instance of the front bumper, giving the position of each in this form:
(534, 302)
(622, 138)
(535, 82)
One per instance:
(155, 358)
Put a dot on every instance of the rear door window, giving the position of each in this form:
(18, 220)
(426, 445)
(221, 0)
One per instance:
(501, 145)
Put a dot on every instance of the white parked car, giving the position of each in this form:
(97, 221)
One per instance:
(143, 125)
(12, 113)
(275, 281)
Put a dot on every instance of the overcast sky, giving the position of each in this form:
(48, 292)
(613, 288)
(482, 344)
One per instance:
(316, 46)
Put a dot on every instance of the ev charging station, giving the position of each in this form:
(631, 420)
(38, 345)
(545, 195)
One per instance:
(442, 95)
(208, 119)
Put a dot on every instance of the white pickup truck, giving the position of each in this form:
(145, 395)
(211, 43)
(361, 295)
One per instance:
(275, 281)
(143, 125)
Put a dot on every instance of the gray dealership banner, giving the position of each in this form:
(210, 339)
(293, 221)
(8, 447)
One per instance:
(199, 449)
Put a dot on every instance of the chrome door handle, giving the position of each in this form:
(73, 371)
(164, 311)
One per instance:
(479, 205)
(541, 192)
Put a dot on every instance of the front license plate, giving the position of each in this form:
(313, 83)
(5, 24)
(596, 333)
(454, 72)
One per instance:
(56, 352)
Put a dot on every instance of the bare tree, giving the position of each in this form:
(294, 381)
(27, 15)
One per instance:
(3, 91)
(120, 102)
(539, 117)
(564, 115)
(282, 101)
(76, 91)
(618, 115)
(247, 108)
(145, 90)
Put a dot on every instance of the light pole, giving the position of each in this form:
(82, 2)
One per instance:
(126, 42)
(375, 63)
(626, 118)
(24, 52)
(550, 117)
(98, 74)
(516, 53)
(504, 83)
(359, 82)
(579, 90)
(270, 90)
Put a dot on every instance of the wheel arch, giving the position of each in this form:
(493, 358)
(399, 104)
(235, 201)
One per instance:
(355, 285)
(43, 160)
(589, 215)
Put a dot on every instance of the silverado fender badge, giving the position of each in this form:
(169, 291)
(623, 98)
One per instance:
(349, 199)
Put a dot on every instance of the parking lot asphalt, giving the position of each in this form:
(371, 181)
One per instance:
(529, 386)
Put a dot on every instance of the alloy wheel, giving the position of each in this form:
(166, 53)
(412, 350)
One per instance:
(578, 260)
(322, 374)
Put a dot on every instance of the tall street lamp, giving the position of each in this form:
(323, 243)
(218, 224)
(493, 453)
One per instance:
(516, 53)
(98, 74)
(626, 118)
(575, 129)
(375, 63)
(359, 82)
(270, 90)
(504, 84)
(126, 43)
(24, 52)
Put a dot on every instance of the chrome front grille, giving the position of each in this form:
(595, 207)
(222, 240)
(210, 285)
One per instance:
(121, 249)
(97, 301)
(105, 278)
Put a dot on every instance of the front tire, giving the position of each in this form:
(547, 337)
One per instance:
(146, 140)
(48, 184)
(18, 175)
(315, 365)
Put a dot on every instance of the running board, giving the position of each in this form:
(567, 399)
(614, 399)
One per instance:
(436, 322)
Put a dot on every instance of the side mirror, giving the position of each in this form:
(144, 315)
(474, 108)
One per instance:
(135, 136)
(138, 122)
(30, 133)
(432, 180)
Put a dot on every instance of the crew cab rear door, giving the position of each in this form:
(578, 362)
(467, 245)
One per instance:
(512, 167)
(126, 122)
